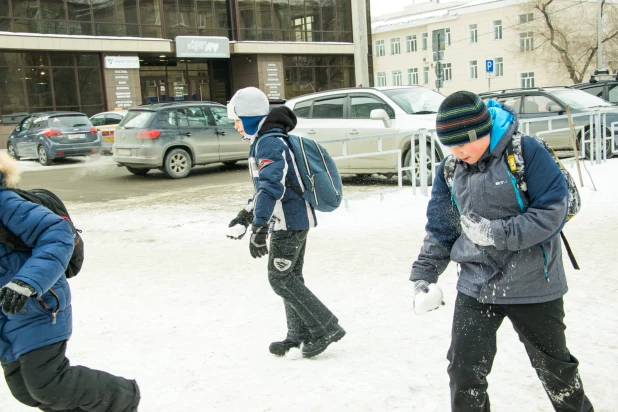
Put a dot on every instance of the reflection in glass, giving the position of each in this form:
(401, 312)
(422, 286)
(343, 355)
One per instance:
(89, 81)
(38, 87)
(27, 26)
(25, 8)
(54, 27)
(126, 11)
(62, 59)
(186, 14)
(150, 12)
(12, 88)
(104, 11)
(78, 10)
(101, 29)
(10, 59)
(77, 28)
(4, 8)
(53, 10)
(65, 86)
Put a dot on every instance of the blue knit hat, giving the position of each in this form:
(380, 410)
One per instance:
(249, 105)
(462, 118)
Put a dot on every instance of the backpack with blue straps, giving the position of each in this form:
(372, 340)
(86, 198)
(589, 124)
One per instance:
(320, 179)
(515, 163)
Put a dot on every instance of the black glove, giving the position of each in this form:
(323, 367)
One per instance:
(14, 295)
(257, 245)
(243, 219)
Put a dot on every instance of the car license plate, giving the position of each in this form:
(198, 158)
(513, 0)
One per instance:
(109, 139)
(124, 152)
(77, 136)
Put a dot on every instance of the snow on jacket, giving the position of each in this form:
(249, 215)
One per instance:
(270, 169)
(46, 318)
(526, 242)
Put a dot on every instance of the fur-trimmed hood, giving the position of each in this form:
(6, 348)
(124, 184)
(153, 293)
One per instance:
(10, 173)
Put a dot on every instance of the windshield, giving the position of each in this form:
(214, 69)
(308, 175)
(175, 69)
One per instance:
(578, 99)
(136, 119)
(415, 100)
(68, 121)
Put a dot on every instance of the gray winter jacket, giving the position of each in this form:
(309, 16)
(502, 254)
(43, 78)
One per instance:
(525, 266)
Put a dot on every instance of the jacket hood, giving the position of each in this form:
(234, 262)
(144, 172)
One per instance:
(10, 174)
(504, 126)
(280, 117)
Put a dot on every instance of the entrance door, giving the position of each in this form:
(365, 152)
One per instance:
(154, 90)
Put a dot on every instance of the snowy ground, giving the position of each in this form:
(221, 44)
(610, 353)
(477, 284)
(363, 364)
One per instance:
(165, 298)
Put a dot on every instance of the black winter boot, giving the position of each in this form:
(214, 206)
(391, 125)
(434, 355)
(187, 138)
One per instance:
(281, 348)
(317, 346)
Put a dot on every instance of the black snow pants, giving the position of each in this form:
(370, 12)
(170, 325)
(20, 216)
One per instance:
(44, 379)
(540, 328)
(306, 316)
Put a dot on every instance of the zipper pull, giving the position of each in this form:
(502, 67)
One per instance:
(546, 273)
(54, 318)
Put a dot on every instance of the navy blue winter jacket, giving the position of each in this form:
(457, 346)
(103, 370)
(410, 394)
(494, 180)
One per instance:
(270, 168)
(46, 318)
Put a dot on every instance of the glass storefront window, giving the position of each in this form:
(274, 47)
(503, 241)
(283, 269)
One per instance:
(45, 82)
(104, 12)
(150, 12)
(308, 74)
(53, 9)
(126, 11)
(4, 8)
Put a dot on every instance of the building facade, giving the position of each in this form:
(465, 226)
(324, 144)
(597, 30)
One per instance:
(469, 34)
(97, 55)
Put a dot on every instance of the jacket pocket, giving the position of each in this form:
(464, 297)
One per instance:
(50, 304)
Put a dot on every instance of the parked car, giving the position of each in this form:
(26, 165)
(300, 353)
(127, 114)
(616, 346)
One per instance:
(174, 137)
(541, 102)
(364, 112)
(52, 135)
(602, 85)
(106, 124)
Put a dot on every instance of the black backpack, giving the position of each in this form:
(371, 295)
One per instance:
(48, 199)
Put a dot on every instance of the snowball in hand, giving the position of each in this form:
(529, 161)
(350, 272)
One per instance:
(425, 302)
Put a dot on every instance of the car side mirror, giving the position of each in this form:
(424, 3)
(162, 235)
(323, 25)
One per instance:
(18, 128)
(380, 114)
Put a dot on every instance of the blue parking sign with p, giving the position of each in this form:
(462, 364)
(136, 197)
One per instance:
(489, 66)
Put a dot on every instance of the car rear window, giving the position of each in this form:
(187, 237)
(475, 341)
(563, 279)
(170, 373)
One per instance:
(136, 119)
(68, 121)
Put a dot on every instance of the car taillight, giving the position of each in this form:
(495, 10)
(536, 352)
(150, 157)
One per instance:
(94, 130)
(148, 134)
(52, 132)
(107, 133)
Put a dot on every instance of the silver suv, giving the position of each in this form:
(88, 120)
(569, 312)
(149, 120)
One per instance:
(174, 137)
(363, 112)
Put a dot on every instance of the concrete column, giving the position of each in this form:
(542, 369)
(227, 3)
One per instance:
(361, 41)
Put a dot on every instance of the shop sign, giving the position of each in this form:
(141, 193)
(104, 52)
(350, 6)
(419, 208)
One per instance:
(202, 47)
(272, 80)
(121, 62)
(123, 97)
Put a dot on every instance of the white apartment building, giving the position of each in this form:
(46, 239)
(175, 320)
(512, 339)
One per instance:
(473, 32)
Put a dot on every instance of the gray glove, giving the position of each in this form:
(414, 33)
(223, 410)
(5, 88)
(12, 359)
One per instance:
(14, 295)
(478, 229)
(427, 297)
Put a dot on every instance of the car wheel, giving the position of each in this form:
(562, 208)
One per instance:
(43, 158)
(407, 162)
(11, 149)
(230, 162)
(139, 171)
(177, 163)
(586, 136)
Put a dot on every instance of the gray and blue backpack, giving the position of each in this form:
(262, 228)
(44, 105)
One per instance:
(320, 179)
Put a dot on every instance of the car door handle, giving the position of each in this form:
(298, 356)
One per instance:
(354, 131)
(221, 133)
(311, 131)
(188, 134)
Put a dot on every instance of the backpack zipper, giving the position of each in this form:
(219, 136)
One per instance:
(545, 271)
(332, 182)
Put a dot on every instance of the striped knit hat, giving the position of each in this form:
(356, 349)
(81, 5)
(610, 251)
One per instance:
(462, 118)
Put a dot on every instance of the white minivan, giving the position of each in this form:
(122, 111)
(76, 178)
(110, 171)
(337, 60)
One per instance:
(360, 112)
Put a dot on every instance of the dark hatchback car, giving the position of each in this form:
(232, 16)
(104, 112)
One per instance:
(52, 135)
(174, 137)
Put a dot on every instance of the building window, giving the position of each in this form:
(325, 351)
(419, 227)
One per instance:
(526, 18)
(526, 80)
(447, 71)
(425, 39)
(526, 41)
(412, 76)
(499, 66)
(473, 34)
(411, 43)
(310, 73)
(447, 33)
(497, 33)
(380, 49)
(41, 81)
(425, 75)
(381, 79)
(397, 78)
(395, 45)
(473, 70)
